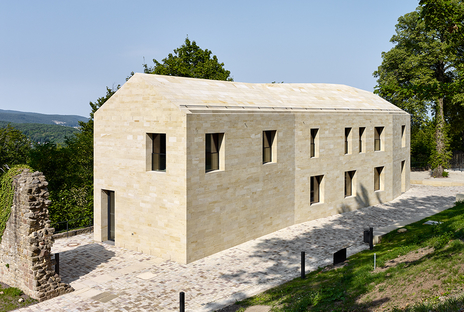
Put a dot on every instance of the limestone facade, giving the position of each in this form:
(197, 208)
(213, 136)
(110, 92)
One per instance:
(186, 213)
(25, 259)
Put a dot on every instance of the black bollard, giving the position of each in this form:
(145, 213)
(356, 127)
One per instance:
(182, 301)
(57, 263)
(303, 270)
(371, 238)
(366, 235)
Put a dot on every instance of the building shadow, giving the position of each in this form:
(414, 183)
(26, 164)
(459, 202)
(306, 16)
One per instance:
(82, 260)
(362, 200)
(279, 258)
(362, 197)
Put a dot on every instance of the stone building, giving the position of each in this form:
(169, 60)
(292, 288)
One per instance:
(185, 167)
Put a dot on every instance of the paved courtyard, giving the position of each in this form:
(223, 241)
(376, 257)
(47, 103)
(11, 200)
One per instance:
(109, 278)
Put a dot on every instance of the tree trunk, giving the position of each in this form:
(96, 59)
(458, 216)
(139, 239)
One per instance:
(440, 138)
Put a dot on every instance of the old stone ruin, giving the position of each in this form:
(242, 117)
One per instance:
(25, 249)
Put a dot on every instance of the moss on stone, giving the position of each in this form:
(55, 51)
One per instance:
(7, 194)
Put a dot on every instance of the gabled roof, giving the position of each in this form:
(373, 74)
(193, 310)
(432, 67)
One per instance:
(192, 95)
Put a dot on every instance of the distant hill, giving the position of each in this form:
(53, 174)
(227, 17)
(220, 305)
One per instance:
(41, 133)
(24, 117)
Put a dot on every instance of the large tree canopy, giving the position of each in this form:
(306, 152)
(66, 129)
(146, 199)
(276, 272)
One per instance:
(422, 73)
(14, 147)
(189, 60)
(69, 167)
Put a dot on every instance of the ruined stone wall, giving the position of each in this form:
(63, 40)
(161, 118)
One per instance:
(25, 257)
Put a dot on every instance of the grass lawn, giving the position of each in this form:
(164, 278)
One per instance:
(421, 269)
(10, 298)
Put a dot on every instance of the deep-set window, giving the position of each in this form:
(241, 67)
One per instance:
(403, 136)
(158, 151)
(313, 143)
(349, 183)
(378, 139)
(361, 139)
(315, 189)
(268, 146)
(212, 151)
(347, 140)
(378, 178)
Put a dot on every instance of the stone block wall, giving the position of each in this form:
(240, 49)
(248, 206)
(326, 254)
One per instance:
(25, 249)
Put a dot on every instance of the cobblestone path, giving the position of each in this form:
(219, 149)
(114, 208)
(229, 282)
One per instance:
(109, 278)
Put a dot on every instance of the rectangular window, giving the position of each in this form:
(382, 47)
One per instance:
(403, 177)
(313, 144)
(378, 178)
(378, 139)
(268, 146)
(403, 136)
(347, 140)
(315, 189)
(158, 151)
(349, 183)
(212, 151)
(361, 139)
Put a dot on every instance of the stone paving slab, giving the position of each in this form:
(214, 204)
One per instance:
(109, 278)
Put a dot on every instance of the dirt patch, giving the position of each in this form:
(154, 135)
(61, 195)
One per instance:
(407, 259)
(400, 292)
(231, 308)
(335, 267)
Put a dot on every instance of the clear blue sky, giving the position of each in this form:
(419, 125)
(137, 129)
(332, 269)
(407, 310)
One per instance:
(56, 56)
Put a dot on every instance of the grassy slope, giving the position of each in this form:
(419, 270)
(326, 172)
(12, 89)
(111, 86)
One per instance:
(429, 283)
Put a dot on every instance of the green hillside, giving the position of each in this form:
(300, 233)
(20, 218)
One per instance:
(26, 117)
(40, 133)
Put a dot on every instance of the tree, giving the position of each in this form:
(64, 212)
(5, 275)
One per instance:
(69, 172)
(189, 60)
(422, 74)
(14, 147)
(69, 168)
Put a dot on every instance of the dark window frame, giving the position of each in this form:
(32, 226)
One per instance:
(313, 143)
(403, 136)
(378, 146)
(362, 130)
(268, 146)
(315, 185)
(213, 144)
(378, 176)
(158, 151)
(347, 140)
(349, 180)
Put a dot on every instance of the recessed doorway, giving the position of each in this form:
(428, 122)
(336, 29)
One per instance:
(110, 206)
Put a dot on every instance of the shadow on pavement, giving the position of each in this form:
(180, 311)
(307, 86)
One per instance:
(283, 256)
(82, 260)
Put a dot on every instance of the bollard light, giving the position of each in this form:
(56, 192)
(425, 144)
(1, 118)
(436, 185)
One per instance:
(303, 270)
(371, 238)
(57, 263)
(182, 301)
